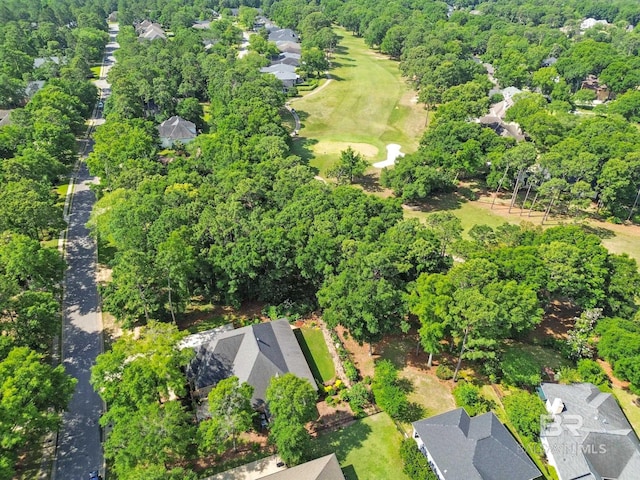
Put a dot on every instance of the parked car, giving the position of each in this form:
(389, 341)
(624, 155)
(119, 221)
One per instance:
(94, 475)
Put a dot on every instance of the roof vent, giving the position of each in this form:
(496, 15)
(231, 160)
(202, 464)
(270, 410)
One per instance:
(557, 406)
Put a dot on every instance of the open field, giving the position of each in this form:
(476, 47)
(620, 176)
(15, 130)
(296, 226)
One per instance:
(627, 401)
(366, 105)
(368, 449)
(316, 352)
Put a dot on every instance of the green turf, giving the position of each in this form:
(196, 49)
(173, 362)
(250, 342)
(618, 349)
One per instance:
(367, 102)
(469, 213)
(629, 406)
(368, 449)
(61, 190)
(316, 352)
(96, 71)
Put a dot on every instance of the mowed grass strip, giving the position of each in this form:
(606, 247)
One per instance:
(316, 352)
(367, 102)
(368, 449)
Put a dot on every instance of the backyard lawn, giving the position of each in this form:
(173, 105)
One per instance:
(343, 112)
(368, 449)
(316, 352)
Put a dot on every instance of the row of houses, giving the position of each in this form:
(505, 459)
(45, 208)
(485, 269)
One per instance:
(586, 436)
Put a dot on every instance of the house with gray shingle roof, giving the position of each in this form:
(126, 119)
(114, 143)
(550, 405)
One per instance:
(589, 437)
(480, 448)
(323, 468)
(255, 354)
(176, 129)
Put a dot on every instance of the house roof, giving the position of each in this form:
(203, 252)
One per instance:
(596, 440)
(478, 448)
(278, 67)
(5, 117)
(153, 32)
(509, 92)
(323, 468)
(38, 62)
(254, 354)
(283, 35)
(177, 128)
(289, 47)
(202, 24)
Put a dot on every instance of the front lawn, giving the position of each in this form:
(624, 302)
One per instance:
(368, 449)
(316, 352)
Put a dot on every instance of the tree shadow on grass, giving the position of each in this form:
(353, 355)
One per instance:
(306, 351)
(341, 441)
(600, 232)
(302, 147)
(370, 182)
(443, 201)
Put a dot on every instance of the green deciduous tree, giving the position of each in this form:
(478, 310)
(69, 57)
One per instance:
(524, 411)
(350, 165)
(231, 414)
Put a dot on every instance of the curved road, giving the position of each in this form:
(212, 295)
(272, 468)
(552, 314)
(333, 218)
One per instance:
(79, 448)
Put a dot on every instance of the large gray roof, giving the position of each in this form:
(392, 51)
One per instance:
(478, 448)
(591, 438)
(254, 354)
(177, 128)
(323, 468)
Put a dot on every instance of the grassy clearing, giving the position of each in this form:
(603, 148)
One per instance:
(316, 352)
(62, 189)
(96, 71)
(368, 449)
(429, 392)
(543, 356)
(343, 113)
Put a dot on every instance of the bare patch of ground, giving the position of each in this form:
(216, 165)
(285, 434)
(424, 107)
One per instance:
(324, 147)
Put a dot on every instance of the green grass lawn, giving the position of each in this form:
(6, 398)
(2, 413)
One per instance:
(367, 105)
(61, 190)
(368, 449)
(316, 352)
(627, 402)
(96, 71)
(469, 213)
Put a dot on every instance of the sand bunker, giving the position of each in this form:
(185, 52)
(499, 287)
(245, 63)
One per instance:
(393, 152)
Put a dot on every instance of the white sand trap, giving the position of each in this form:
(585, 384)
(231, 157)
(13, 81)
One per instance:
(393, 152)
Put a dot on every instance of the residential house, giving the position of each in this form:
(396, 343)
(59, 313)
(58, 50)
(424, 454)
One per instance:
(601, 90)
(589, 438)
(283, 72)
(150, 31)
(588, 23)
(202, 24)
(40, 61)
(508, 94)
(323, 468)
(283, 35)
(459, 447)
(255, 354)
(549, 61)
(289, 47)
(5, 117)
(287, 59)
(176, 129)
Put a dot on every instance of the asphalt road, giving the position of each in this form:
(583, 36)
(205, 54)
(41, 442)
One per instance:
(79, 449)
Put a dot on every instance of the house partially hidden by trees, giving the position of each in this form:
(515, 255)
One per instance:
(255, 354)
(472, 448)
(150, 31)
(176, 129)
(600, 89)
(589, 437)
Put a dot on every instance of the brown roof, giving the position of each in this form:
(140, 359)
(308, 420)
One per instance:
(323, 468)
